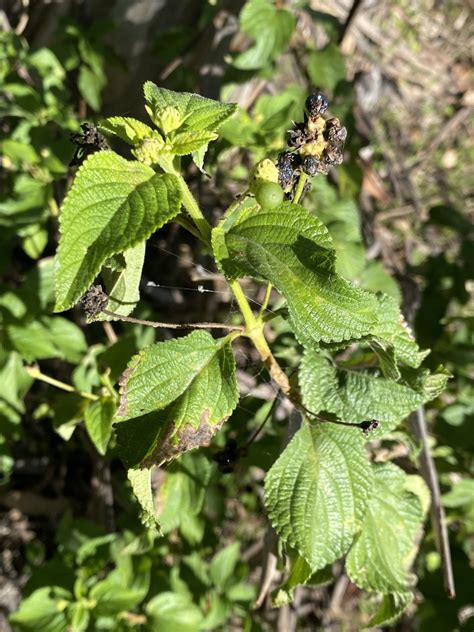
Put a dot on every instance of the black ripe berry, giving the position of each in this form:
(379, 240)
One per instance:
(287, 163)
(316, 104)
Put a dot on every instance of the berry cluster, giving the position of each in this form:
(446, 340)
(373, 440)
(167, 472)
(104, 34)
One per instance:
(315, 145)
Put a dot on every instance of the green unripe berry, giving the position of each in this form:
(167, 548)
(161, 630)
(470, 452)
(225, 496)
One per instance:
(268, 194)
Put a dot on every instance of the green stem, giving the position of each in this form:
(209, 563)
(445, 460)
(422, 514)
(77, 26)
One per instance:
(189, 202)
(106, 381)
(300, 187)
(36, 374)
(265, 301)
(249, 317)
(253, 326)
(254, 330)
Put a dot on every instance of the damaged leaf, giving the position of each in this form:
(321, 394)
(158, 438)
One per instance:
(175, 395)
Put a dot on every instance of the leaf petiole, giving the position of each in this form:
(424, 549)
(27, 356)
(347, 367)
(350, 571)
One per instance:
(36, 374)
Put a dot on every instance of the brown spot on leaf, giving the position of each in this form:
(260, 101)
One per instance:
(172, 443)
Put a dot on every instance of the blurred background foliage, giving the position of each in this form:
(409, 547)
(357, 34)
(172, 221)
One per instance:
(74, 553)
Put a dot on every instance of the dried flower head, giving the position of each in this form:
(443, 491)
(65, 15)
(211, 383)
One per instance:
(87, 142)
(94, 301)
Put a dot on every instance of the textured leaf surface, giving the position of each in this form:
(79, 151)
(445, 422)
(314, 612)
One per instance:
(98, 419)
(381, 557)
(356, 396)
(270, 27)
(317, 491)
(122, 286)
(189, 387)
(113, 205)
(293, 250)
(185, 143)
(140, 481)
(199, 114)
(392, 329)
(129, 129)
(181, 490)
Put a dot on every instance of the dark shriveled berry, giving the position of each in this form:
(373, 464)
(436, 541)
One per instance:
(316, 104)
(310, 165)
(94, 301)
(335, 132)
(332, 155)
(298, 135)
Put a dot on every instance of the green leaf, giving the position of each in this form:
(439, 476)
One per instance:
(383, 553)
(47, 337)
(181, 490)
(78, 617)
(356, 396)
(185, 143)
(327, 67)
(462, 493)
(98, 419)
(129, 129)
(291, 249)
(376, 279)
(198, 114)
(90, 86)
(35, 241)
(270, 27)
(392, 330)
(113, 205)
(317, 491)
(122, 286)
(140, 481)
(19, 152)
(14, 384)
(392, 606)
(223, 564)
(42, 611)
(189, 384)
(123, 588)
(299, 575)
(173, 612)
